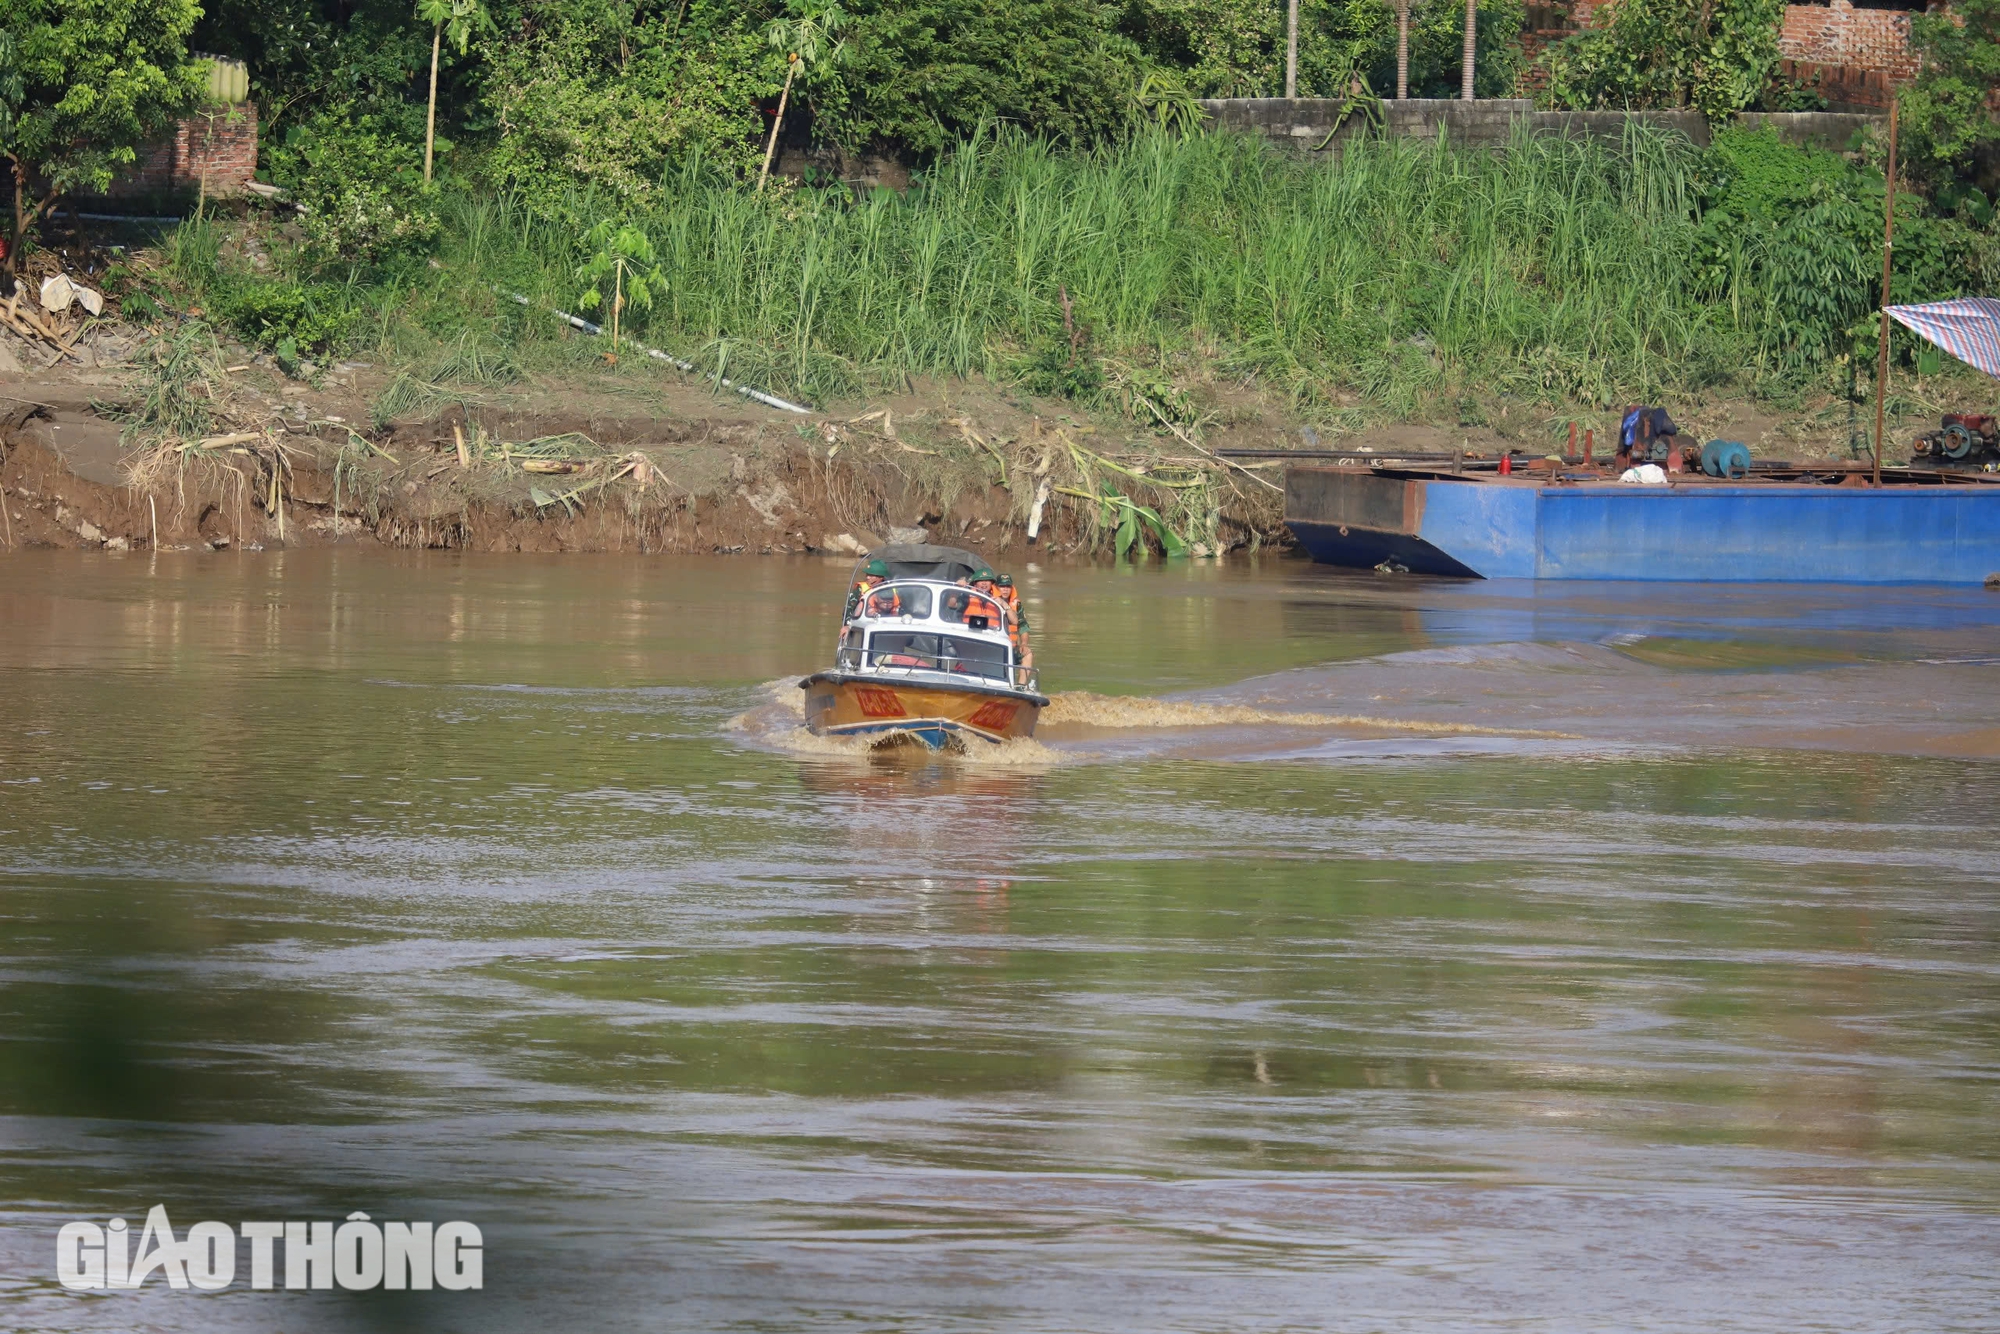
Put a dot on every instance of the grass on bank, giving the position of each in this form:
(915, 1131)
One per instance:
(1398, 273)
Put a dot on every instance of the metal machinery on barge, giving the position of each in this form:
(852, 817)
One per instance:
(1936, 520)
(1566, 520)
(924, 656)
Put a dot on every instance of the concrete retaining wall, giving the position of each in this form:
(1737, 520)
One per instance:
(1306, 122)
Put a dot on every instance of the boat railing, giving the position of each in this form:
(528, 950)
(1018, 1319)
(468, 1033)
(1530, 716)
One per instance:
(900, 661)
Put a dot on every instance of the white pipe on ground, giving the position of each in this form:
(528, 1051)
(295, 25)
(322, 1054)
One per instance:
(577, 322)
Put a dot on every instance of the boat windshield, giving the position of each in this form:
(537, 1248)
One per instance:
(919, 651)
(899, 600)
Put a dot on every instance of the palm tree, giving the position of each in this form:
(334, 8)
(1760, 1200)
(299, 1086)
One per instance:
(456, 19)
(1402, 49)
(1471, 41)
(1292, 48)
(804, 37)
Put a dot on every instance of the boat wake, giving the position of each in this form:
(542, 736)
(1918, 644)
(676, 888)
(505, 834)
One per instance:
(1085, 709)
(779, 723)
(1081, 725)
(1568, 697)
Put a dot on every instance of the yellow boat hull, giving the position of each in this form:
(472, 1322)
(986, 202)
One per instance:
(851, 704)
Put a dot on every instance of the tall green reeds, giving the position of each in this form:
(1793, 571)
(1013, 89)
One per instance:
(1558, 269)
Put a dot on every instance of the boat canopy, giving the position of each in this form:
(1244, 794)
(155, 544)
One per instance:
(919, 560)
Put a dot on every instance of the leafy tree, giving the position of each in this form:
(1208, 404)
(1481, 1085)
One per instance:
(618, 98)
(309, 55)
(1952, 112)
(805, 36)
(458, 20)
(356, 170)
(89, 83)
(1235, 48)
(1716, 57)
(623, 255)
(925, 73)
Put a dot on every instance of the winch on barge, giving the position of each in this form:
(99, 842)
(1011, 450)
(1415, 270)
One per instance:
(924, 655)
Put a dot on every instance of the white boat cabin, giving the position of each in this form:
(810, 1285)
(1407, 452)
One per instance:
(930, 628)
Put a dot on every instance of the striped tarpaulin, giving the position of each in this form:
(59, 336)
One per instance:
(1968, 328)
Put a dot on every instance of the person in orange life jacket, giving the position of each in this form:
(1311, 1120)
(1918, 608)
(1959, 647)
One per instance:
(1017, 622)
(873, 573)
(985, 602)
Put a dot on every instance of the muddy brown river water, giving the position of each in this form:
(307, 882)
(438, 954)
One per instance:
(1633, 964)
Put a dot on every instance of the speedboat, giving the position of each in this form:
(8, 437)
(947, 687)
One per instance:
(924, 656)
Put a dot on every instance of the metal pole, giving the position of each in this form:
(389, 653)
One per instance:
(1291, 48)
(1888, 247)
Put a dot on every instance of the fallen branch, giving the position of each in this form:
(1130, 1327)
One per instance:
(22, 322)
(1188, 440)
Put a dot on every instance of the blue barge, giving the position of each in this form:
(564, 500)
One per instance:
(1917, 527)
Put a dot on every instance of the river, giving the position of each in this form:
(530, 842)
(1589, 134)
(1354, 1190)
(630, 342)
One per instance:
(1633, 962)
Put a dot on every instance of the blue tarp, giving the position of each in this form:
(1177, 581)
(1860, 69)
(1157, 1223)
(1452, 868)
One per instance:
(1968, 328)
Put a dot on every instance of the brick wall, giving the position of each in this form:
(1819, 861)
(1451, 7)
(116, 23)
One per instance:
(219, 145)
(1838, 34)
(1844, 87)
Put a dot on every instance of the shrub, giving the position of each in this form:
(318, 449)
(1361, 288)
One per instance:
(580, 102)
(1236, 48)
(290, 318)
(1717, 58)
(358, 174)
(1797, 232)
(927, 73)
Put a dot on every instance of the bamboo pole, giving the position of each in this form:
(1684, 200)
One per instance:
(784, 96)
(1888, 249)
(431, 116)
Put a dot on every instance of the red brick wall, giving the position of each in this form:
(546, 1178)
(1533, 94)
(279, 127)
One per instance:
(221, 145)
(1840, 85)
(1839, 34)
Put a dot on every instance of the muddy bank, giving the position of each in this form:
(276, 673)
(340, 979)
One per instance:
(499, 479)
(169, 440)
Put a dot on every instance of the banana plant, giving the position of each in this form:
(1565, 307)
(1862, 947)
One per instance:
(1131, 517)
(1129, 520)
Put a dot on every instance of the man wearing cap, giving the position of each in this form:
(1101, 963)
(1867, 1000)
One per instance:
(984, 601)
(873, 573)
